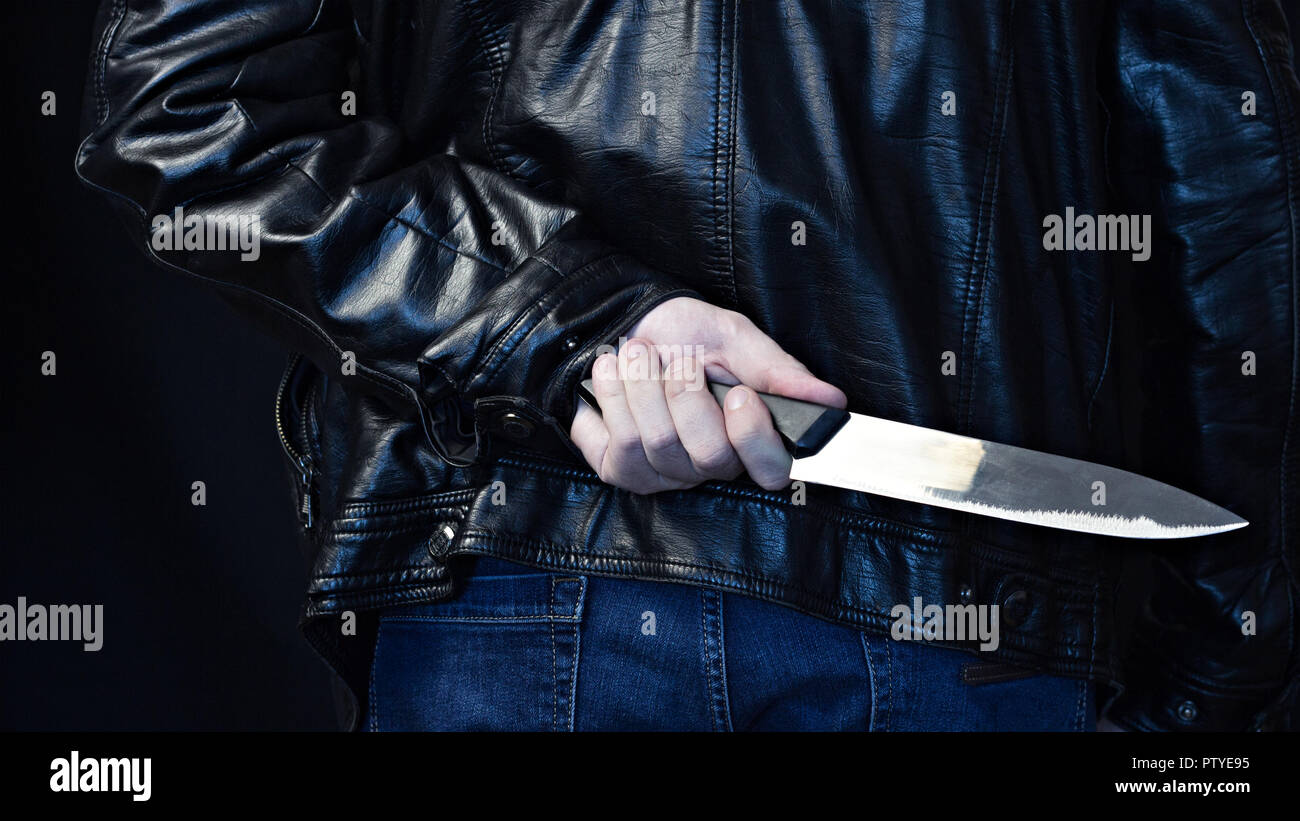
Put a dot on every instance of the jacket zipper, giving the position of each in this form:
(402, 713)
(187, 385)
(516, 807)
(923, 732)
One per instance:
(306, 470)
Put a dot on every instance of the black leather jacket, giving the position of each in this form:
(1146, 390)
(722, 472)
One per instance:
(521, 181)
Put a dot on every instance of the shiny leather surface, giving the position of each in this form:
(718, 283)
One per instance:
(502, 203)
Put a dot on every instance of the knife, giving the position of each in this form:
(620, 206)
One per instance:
(872, 455)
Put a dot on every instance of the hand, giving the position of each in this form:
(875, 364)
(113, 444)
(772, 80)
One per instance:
(659, 427)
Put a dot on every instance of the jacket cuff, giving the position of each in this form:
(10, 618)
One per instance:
(509, 374)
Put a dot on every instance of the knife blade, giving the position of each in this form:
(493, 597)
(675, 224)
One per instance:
(873, 455)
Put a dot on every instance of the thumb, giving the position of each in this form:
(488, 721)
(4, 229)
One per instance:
(758, 362)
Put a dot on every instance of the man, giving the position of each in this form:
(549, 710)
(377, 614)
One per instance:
(1052, 225)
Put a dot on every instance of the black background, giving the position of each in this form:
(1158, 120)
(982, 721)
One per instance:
(159, 385)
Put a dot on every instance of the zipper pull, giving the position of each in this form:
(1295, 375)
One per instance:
(306, 492)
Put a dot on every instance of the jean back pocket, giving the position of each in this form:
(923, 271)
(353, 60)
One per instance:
(501, 655)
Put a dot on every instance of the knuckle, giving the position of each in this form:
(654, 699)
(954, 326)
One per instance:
(749, 431)
(623, 448)
(714, 458)
(675, 389)
(660, 441)
(612, 473)
(684, 378)
(579, 437)
(733, 323)
(745, 433)
(673, 471)
(639, 362)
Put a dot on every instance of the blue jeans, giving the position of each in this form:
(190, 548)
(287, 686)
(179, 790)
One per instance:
(525, 649)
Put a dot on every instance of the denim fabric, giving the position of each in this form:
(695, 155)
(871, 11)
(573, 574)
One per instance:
(523, 649)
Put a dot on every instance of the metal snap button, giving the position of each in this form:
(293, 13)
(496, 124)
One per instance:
(441, 539)
(1015, 608)
(1187, 711)
(515, 426)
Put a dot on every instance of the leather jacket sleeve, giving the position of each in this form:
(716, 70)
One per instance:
(389, 258)
(1209, 147)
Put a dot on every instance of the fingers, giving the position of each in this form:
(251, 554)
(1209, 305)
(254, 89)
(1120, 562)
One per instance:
(747, 438)
(757, 361)
(655, 431)
(624, 463)
(756, 442)
(643, 384)
(589, 434)
(659, 427)
(699, 421)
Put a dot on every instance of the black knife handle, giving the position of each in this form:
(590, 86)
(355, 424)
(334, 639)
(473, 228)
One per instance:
(804, 426)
